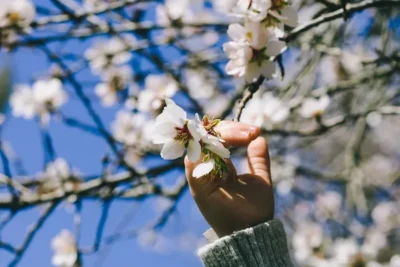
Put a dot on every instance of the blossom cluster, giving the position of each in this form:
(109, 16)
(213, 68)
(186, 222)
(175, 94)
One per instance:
(257, 43)
(176, 133)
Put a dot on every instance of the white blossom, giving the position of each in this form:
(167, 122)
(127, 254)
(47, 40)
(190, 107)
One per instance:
(213, 144)
(175, 131)
(65, 252)
(252, 48)
(312, 107)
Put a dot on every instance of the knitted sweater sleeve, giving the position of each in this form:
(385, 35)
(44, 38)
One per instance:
(264, 245)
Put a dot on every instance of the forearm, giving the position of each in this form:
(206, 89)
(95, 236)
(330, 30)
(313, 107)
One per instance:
(264, 245)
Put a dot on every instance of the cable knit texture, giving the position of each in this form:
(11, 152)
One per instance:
(264, 245)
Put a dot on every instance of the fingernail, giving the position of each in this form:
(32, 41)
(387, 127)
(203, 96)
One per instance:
(245, 134)
(254, 130)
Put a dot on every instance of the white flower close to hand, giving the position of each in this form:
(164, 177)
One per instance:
(212, 144)
(312, 107)
(175, 132)
(65, 251)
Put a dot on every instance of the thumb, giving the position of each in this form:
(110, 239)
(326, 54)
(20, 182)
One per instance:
(258, 158)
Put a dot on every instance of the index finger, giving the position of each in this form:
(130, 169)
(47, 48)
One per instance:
(237, 133)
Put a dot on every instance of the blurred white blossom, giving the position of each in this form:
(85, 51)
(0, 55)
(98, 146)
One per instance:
(17, 12)
(200, 84)
(127, 127)
(115, 80)
(108, 53)
(156, 89)
(65, 251)
(265, 110)
(312, 107)
(45, 97)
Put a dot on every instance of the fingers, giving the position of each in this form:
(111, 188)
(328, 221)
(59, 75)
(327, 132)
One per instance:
(258, 157)
(205, 185)
(237, 133)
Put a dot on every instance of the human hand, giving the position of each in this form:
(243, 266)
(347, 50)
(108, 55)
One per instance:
(240, 201)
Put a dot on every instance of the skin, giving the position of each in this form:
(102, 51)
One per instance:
(241, 201)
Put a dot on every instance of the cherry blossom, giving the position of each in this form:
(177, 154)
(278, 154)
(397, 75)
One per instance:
(175, 132)
(252, 49)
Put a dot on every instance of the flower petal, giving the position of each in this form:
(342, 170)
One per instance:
(203, 169)
(194, 151)
(172, 150)
(166, 129)
(218, 148)
(236, 32)
(274, 48)
(172, 113)
(194, 132)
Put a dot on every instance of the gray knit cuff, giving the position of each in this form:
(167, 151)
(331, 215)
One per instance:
(264, 245)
